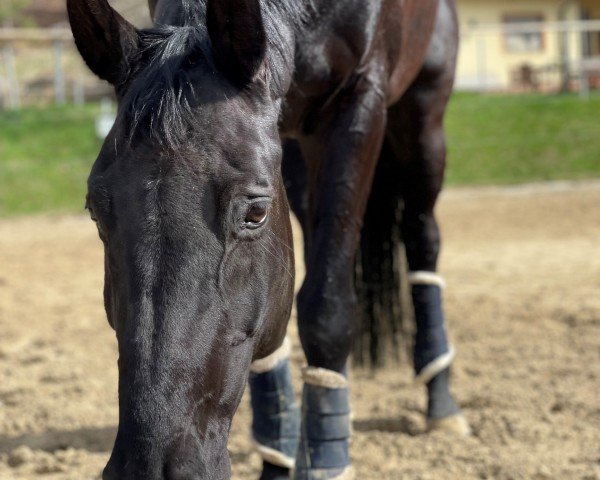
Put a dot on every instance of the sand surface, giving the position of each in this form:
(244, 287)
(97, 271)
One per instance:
(523, 303)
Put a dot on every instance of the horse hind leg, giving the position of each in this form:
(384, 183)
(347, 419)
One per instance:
(433, 354)
(295, 179)
(415, 132)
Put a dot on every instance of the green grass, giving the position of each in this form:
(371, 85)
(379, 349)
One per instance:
(45, 157)
(46, 153)
(522, 138)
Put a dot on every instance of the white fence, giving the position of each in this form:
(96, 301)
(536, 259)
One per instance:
(543, 56)
(42, 66)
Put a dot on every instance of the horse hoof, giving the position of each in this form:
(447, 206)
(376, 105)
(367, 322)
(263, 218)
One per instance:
(455, 424)
(347, 474)
(325, 474)
(274, 472)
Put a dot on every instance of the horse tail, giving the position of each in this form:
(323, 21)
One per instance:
(380, 268)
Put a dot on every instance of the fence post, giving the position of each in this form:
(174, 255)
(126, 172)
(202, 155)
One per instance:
(14, 94)
(584, 82)
(59, 75)
(481, 61)
(78, 91)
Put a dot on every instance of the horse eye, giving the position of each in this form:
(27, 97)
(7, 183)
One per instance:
(256, 215)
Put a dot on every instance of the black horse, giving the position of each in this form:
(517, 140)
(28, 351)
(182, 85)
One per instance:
(190, 202)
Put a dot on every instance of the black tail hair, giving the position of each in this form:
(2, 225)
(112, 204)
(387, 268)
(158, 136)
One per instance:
(380, 268)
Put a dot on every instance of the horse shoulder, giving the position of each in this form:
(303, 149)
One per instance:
(330, 54)
(385, 40)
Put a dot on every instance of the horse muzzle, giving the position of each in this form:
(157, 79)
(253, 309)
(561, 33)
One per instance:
(184, 461)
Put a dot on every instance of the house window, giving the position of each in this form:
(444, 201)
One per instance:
(523, 41)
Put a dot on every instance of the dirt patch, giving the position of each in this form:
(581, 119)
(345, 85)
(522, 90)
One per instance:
(523, 274)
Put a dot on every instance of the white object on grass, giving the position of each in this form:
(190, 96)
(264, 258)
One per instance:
(106, 119)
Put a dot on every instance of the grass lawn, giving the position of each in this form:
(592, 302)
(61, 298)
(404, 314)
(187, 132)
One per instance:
(45, 157)
(46, 153)
(497, 139)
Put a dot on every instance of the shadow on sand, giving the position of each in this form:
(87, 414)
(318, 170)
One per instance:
(91, 439)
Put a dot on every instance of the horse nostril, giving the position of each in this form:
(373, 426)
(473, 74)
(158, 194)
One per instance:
(181, 474)
(109, 473)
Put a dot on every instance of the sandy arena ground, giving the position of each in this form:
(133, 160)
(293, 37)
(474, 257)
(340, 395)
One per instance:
(523, 302)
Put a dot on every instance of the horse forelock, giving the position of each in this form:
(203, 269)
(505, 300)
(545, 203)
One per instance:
(158, 99)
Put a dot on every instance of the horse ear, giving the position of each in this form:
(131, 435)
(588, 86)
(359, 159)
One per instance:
(105, 40)
(238, 37)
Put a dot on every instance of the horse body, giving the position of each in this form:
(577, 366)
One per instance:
(188, 195)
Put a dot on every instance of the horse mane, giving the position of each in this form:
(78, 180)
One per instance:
(158, 99)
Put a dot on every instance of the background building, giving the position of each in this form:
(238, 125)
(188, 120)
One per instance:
(542, 44)
(506, 45)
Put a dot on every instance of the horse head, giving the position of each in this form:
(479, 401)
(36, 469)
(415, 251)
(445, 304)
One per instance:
(189, 202)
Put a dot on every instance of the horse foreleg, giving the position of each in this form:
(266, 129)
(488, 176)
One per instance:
(341, 157)
(276, 417)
